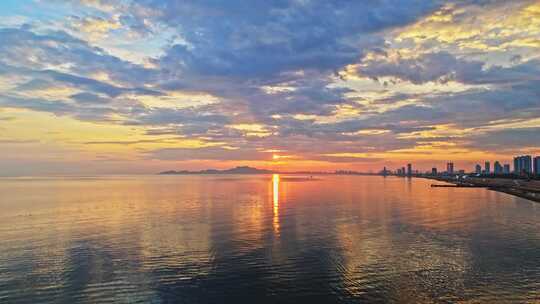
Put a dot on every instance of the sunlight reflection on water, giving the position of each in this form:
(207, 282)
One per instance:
(275, 200)
(264, 239)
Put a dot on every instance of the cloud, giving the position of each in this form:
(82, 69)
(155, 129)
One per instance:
(66, 57)
(95, 27)
(107, 6)
(441, 67)
(506, 140)
(89, 98)
(207, 153)
(55, 107)
(241, 39)
(298, 70)
(478, 27)
(444, 67)
(479, 107)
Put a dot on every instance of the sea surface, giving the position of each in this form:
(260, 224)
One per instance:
(264, 239)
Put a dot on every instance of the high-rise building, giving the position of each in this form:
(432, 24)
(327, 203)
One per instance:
(523, 164)
(478, 169)
(497, 168)
(409, 169)
(433, 171)
(506, 169)
(403, 172)
(487, 168)
(536, 163)
(450, 168)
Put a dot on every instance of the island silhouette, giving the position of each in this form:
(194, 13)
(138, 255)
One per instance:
(236, 170)
(251, 170)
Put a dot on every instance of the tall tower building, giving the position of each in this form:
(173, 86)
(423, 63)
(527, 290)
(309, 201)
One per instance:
(497, 168)
(409, 169)
(450, 168)
(487, 168)
(536, 164)
(523, 164)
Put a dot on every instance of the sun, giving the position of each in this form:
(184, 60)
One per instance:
(275, 156)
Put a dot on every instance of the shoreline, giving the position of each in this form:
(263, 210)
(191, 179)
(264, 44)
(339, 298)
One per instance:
(529, 190)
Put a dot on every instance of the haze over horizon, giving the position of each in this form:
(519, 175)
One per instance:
(100, 87)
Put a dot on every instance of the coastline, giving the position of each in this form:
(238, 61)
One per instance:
(521, 188)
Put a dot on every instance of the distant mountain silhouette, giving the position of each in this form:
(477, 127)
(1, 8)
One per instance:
(237, 170)
(251, 170)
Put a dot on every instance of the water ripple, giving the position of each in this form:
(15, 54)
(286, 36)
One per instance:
(205, 239)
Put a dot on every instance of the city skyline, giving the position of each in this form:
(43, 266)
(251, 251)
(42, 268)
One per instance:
(522, 165)
(126, 87)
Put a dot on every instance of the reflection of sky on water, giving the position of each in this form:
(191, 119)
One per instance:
(204, 239)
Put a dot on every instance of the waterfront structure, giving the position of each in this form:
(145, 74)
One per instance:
(506, 169)
(497, 168)
(409, 170)
(537, 165)
(478, 169)
(523, 164)
(450, 168)
(487, 168)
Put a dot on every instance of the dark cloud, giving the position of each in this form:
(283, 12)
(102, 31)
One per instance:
(90, 98)
(522, 72)
(307, 96)
(443, 67)
(56, 107)
(478, 107)
(259, 40)
(429, 67)
(409, 118)
(506, 140)
(162, 116)
(93, 112)
(32, 52)
(193, 122)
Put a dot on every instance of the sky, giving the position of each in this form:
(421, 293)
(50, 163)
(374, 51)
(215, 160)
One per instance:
(125, 87)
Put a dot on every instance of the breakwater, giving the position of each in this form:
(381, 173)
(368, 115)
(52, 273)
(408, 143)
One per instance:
(522, 188)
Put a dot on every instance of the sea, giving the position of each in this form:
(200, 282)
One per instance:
(264, 239)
